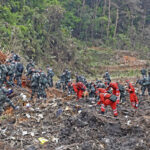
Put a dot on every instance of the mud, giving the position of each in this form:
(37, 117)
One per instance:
(71, 125)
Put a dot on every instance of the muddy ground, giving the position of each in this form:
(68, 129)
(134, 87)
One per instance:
(70, 125)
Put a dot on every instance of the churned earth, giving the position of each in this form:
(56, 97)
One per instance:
(65, 124)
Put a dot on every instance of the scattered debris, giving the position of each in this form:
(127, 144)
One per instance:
(70, 125)
(42, 140)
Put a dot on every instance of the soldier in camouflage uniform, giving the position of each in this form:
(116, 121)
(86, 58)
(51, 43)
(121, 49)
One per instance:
(70, 88)
(92, 90)
(14, 57)
(144, 72)
(63, 81)
(122, 93)
(18, 72)
(29, 68)
(4, 72)
(50, 75)
(58, 84)
(145, 84)
(30, 65)
(100, 84)
(43, 84)
(68, 76)
(10, 73)
(107, 78)
(4, 99)
(34, 83)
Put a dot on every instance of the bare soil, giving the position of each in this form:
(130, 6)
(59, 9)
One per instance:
(71, 125)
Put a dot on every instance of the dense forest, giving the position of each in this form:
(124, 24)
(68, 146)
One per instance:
(56, 30)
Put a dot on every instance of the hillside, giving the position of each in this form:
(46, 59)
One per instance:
(89, 37)
(60, 31)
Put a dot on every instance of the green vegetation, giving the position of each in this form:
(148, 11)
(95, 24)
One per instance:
(59, 31)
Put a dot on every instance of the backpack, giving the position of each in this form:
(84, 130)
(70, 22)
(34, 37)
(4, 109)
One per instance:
(121, 88)
(113, 98)
(92, 89)
(20, 68)
(43, 80)
(146, 82)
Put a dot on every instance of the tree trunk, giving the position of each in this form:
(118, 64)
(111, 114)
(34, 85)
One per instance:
(109, 19)
(94, 17)
(116, 24)
(104, 9)
(82, 11)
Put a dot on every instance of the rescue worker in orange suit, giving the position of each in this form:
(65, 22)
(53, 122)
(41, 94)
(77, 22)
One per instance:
(115, 91)
(133, 98)
(108, 99)
(100, 90)
(79, 88)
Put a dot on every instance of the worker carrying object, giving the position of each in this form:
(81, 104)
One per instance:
(108, 99)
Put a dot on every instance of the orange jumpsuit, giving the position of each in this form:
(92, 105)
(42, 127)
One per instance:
(79, 88)
(100, 90)
(104, 101)
(116, 91)
(133, 98)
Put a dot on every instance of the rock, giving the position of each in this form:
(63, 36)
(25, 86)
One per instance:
(31, 148)
(24, 133)
(86, 146)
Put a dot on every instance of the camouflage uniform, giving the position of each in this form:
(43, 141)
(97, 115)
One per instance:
(144, 73)
(107, 78)
(18, 72)
(63, 81)
(122, 93)
(43, 84)
(100, 84)
(11, 71)
(145, 84)
(92, 90)
(70, 88)
(4, 98)
(34, 83)
(4, 72)
(58, 84)
(14, 57)
(50, 75)
(30, 66)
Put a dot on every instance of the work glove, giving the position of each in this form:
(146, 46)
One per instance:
(137, 105)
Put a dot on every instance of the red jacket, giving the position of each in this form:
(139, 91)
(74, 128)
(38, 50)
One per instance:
(131, 88)
(103, 97)
(80, 86)
(101, 90)
(113, 85)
